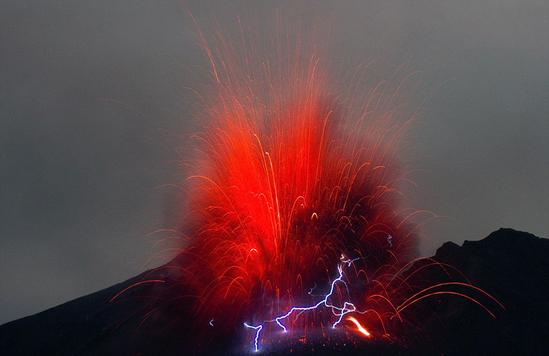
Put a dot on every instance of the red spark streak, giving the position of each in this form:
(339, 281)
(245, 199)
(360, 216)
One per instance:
(359, 326)
(133, 286)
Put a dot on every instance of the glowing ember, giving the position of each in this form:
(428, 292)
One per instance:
(359, 326)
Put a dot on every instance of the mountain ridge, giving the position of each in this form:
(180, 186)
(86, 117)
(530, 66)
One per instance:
(509, 264)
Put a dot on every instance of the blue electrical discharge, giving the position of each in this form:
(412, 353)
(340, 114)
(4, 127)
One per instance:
(340, 312)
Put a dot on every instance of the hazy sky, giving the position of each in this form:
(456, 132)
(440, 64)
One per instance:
(94, 102)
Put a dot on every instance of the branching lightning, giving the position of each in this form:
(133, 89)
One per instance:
(340, 312)
(257, 333)
(350, 307)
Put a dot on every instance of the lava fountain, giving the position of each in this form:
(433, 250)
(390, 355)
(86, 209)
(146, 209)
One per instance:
(290, 184)
(294, 227)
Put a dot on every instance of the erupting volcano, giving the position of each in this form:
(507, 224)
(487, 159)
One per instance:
(291, 222)
(295, 227)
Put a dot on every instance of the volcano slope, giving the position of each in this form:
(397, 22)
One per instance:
(155, 318)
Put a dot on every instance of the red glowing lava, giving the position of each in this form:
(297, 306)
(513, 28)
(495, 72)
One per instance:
(290, 179)
(359, 326)
(293, 184)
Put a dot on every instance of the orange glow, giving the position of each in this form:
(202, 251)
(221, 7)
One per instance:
(359, 326)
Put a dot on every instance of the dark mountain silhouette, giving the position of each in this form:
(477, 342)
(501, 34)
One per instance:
(511, 265)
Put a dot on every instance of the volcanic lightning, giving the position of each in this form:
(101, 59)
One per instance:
(291, 180)
(348, 307)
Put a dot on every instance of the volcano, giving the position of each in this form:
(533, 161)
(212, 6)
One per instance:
(509, 264)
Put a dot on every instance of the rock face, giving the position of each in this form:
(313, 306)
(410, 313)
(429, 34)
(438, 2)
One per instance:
(511, 265)
(93, 325)
(514, 266)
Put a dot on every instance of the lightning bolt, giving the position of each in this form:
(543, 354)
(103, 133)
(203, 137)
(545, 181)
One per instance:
(348, 261)
(257, 332)
(340, 312)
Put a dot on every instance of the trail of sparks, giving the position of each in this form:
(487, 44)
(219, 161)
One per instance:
(359, 326)
(340, 312)
(123, 291)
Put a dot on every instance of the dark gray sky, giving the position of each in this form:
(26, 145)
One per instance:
(93, 101)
